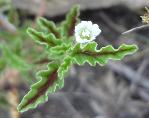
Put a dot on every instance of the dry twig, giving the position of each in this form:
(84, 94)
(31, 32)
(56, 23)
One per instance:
(136, 29)
(129, 73)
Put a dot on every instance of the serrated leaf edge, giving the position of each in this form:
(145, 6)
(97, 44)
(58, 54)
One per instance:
(83, 47)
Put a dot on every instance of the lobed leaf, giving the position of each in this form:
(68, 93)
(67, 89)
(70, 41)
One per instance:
(50, 26)
(58, 51)
(71, 21)
(48, 83)
(63, 69)
(39, 37)
(89, 53)
(51, 80)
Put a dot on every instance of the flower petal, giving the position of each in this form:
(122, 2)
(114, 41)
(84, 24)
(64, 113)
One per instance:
(86, 32)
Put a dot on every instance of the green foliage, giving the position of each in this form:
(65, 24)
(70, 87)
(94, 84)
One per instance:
(50, 81)
(39, 37)
(90, 54)
(13, 60)
(63, 69)
(59, 51)
(70, 22)
(50, 26)
(17, 52)
(5, 4)
(61, 54)
(39, 91)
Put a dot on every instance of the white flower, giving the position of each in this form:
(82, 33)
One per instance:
(86, 32)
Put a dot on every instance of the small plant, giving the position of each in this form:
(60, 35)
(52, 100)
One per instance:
(71, 42)
(145, 20)
(145, 17)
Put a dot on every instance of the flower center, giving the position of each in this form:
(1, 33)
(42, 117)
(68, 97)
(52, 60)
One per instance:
(85, 34)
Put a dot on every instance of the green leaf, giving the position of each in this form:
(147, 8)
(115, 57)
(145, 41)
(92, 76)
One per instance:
(63, 69)
(14, 60)
(89, 53)
(58, 51)
(39, 37)
(50, 26)
(51, 38)
(71, 21)
(49, 82)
